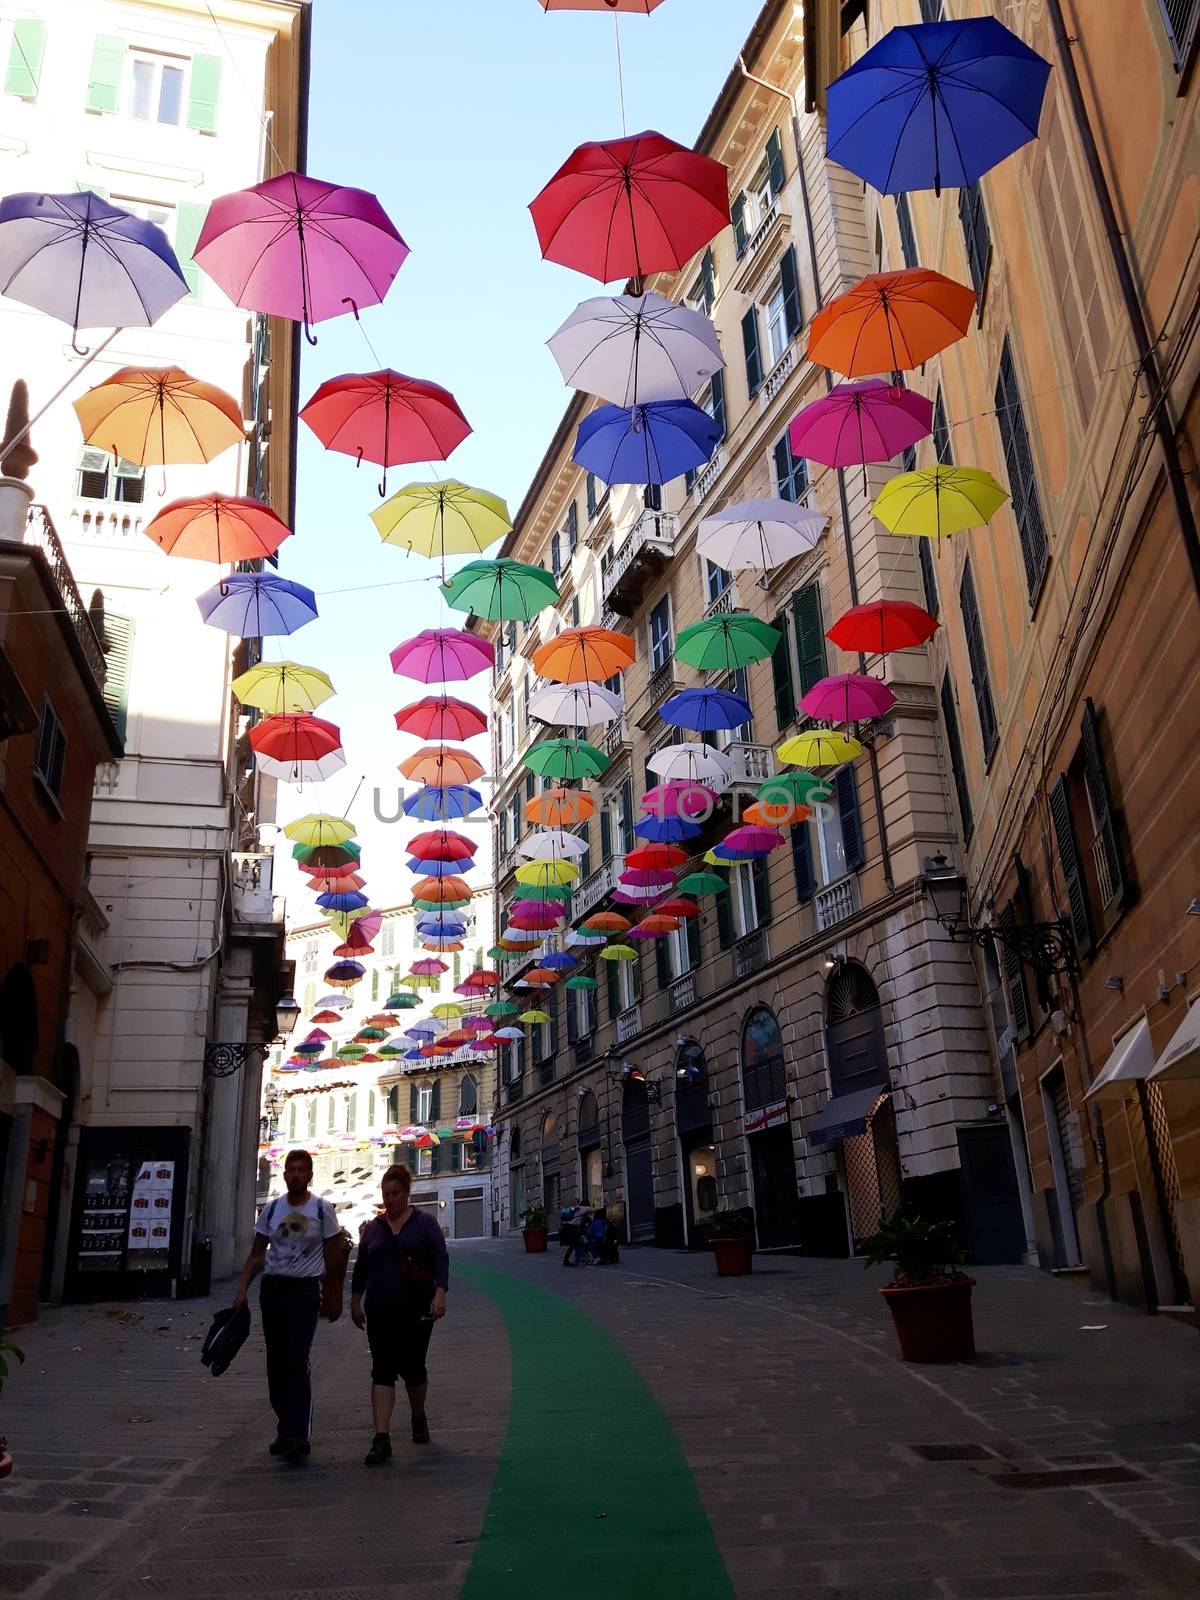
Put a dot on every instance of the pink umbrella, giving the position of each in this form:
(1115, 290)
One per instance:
(477, 1024)
(299, 248)
(848, 697)
(859, 422)
(679, 797)
(753, 840)
(428, 967)
(442, 655)
(528, 915)
(646, 878)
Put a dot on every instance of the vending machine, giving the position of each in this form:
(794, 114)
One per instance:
(127, 1225)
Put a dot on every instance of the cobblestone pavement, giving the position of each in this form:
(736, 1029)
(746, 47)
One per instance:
(1065, 1461)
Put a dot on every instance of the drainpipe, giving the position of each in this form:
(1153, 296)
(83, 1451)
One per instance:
(1164, 422)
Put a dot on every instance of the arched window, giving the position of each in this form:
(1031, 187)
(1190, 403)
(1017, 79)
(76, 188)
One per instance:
(550, 1128)
(468, 1096)
(589, 1111)
(764, 1073)
(514, 1145)
(854, 1031)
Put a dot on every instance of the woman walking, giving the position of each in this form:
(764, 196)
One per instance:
(401, 1276)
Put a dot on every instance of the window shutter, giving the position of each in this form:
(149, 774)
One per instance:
(552, 1007)
(976, 653)
(1022, 480)
(810, 636)
(104, 79)
(435, 1103)
(775, 171)
(413, 1105)
(781, 673)
(662, 966)
(977, 236)
(1096, 777)
(573, 527)
(456, 1150)
(591, 495)
(628, 837)
(572, 1017)
(754, 372)
(1072, 866)
(614, 991)
(709, 279)
(846, 788)
(204, 93)
(606, 848)
(957, 765)
(435, 1159)
(689, 480)
(118, 661)
(789, 279)
(941, 431)
(25, 58)
(802, 863)
(761, 878)
(717, 386)
(783, 469)
(908, 239)
(724, 919)
(738, 217)
(928, 581)
(1014, 973)
(189, 219)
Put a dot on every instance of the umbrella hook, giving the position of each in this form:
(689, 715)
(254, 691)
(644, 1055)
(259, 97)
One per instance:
(347, 301)
(75, 345)
(359, 457)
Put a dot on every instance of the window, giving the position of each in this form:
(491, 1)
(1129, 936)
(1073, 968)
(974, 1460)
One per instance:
(597, 496)
(748, 900)
(977, 236)
(942, 448)
(51, 755)
(777, 339)
(791, 472)
(908, 239)
(313, 1109)
(1095, 877)
(753, 352)
(717, 580)
(1022, 480)
(1181, 19)
(310, 996)
(703, 293)
(1072, 262)
(118, 665)
(575, 612)
(928, 581)
(293, 1111)
(973, 628)
(468, 1096)
(958, 767)
(712, 400)
(372, 1108)
(310, 956)
(351, 1113)
(738, 683)
(374, 983)
(424, 1163)
(97, 478)
(764, 1072)
(514, 815)
(154, 85)
(572, 529)
(155, 91)
(661, 643)
(556, 555)
(331, 1114)
(424, 1102)
(23, 76)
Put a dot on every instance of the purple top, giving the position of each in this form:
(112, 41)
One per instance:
(401, 1269)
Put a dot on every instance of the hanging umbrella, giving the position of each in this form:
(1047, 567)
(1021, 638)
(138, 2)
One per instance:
(560, 808)
(565, 758)
(446, 1009)
(333, 877)
(632, 206)
(756, 535)
(544, 891)
(442, 805)
(723, 643)
(819, 748)
(326, 1016)
(366, 923)
(159, 416)
(679, 797)
(534, 1017)
(257, 605)
(344, 974)
(439, 890)
(442, 655)
(706, 710)
(501, 1008)
(218, 527)
(317, 856)
(724, 855)
(618, 952)
(479, 978)
(332, 1000)
(440, 845)
(765, 815)
(559, 961)
(580, 981)
(692, 763)
(387, 418)
(501, 590)
(878, 627)
(300, 248)
(584, 938)
(890, 322)
(650, 443)
(442, 519)
(580, 655)
(510, 1035)
(575, 705)
(319, 828)
(848, 697)
(678, 907)
(427, 967)
(665, 830)
(935, 105)
(646, 878)
(282, 687)
(934, 502)
(632, 349)
(545, 874)
(442, 766)
(792, 789)
(702, 883)
(860, 422)
(656, 855)
(607, 922)
(656, 926)
(402, 1000)
(530, 915)
(441, 869)
(441, 717)
(551, 846)
(342, 902)
(641, 7)
(297, 749)
(752, 840)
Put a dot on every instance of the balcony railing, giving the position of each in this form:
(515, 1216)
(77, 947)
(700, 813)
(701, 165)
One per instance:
(616, 737)
(706, 479)
(591, 891)
(683, 993)
(836, 903)
(629, 1024)
(508, 863)
(749, 763)
(777, 377)
(252, 880)
(652, 536)
(725, 602)
(40, 532)
(751, 953)
(759, 236)
(662, 683)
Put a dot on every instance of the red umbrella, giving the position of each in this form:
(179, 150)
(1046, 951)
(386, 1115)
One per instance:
(880, 626)
(641, 7)
(440, 716)
(656, 855)
(678, 907)
(218, 527)
(326, 1016)
(441, 889)
(443, 844)
(480, 978)
(386, 418)
(297, 748)
(336, 883)
(623, 208)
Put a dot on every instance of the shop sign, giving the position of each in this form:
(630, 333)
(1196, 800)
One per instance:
(765, 1117)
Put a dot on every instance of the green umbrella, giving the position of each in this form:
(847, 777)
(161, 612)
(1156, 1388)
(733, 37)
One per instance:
(352, 1051)
(549, 891)
(702, 883)
(402, 1000)
(369, 1035)
(793, 788)
(723, 643)
(496, 954)
(390, 1050)
(501, 590)
(440, 905)
(566, 758)
(501, 1008)
(329, 854)
(581, 982)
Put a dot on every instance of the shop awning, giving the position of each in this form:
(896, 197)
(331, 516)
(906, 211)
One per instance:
(1181, 1058)
(1132, 1058)
(844, 1116)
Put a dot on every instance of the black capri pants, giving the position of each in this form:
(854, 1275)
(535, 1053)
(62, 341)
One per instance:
(399, 1338)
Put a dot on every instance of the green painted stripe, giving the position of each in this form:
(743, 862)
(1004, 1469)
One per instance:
(593, 1497)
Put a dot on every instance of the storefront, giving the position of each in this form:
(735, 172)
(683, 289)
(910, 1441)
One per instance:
(768, 1129)
(129, 1212)
(698, 1153)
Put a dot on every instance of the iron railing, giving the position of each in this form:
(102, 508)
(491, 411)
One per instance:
(41, 533)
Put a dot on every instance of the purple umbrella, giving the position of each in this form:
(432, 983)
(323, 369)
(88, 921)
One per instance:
(646, 444)
(859, 422)
(646, 878)
(442, 655)
(848, 697)
(299, 248)
(257, 605)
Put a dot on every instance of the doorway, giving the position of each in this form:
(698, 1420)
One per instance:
(991, 1200)
(639, 1161)
(1062, 1135)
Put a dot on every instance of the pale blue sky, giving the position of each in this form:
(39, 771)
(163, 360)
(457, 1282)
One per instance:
(456, 112)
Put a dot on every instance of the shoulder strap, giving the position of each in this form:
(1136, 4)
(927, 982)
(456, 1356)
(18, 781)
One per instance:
(320, 1211)
(271, 1213)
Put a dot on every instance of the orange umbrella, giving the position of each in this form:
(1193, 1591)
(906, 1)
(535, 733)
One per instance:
(658, 924)
(580, 655)
(441, 889)
(381, 1019)
(458, 1037)
(608, 922)
(507, 942)
(766, 814)
(440, 947)
(218, 527)
(890, 322)
(159, 416)
(542, 977)
(442, 766)
(560, 808)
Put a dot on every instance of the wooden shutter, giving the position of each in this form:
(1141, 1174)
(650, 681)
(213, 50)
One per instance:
(942, 448)
(775, 171)
(1022, 480)
(693, 940)
(118, 661)
(189, 219)
(628, 837)
(414, 1109)
(957, 765)
(789, 279)
(908, 239)
(754, 371)
(435, 1103)
(783, 469)
(662, 966)
(573, 527)
(1072, 864)
(613, 984)
(606, 848)
(977, 655)
(709, 279)
(1095, 776)
(572, 1016)
(737, 216)
(928, 580)
(1014, 972)
(590, 490)
(104, 78)
(204, 93)
(781, 673)
(846, 788)
(724, 919)
(760, 876)
(717, 387)
(25, 58)
(552, 1025)
(802, 863)
(810, 636)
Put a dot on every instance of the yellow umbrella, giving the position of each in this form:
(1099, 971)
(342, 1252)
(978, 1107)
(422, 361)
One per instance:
(159, 416)
(818, 748)
(282, 687)
(447, 1009)
(542, 874)
(938, 501)
(442, 519)
(534, 1016)
(618, 952)
(713, 860)
(319, 828)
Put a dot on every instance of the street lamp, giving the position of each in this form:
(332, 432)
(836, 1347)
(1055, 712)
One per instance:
(1048, 947)
(287, 1014)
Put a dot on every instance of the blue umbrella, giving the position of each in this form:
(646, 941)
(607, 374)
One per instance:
(665, 830)
(559, 961)
(412, 1055)
(935, 104)
(646, 444)
(343, 900)
(440, 869)
(449, 929)
(706, 710)
(257, 605)
(442, 805)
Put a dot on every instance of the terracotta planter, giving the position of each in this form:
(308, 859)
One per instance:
(734, 1257)
(535, 1240)
(933, 1321)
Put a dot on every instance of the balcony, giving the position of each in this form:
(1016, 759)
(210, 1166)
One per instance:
(616, 739)
(41, 534)
(751, 953)
(662, 683)
(629, 1024)
(778, 376)
(749, 764)
(683, 993)
(251, 885)
(706, 479)
(648, 546)
(516, 965)
(724, 603)
(836, 903)
(507, 864)
(591, 891)
(760, 258)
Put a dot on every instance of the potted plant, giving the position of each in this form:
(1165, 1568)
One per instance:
(929, 1298)
(7, 1348)
(534, 1231)
(731, 1235)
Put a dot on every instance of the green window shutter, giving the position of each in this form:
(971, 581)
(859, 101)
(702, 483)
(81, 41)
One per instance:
(1072, 865)
(25, 58)
(754, 369)
(693, 939)
(435, 1105)
(761, 878)
(724, 920)
(717, 387)
(661, 963)
(614, 990)
(91, 188)
(846, 788)
(189, 219)
(810, 636)
(572, 1017)
(775, 170)
(709, 278)
(104, 79)
(789, 278)
(413, 1102)
(118, 663)
(781, 672)
(741, 234)
(802, 863)
(204, 93)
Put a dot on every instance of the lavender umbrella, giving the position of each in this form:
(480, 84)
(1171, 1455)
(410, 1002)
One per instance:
(647, 443)
(257, 605)
(636, 348)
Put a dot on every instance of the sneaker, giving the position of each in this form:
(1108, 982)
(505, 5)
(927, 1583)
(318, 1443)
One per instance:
(420, 1430)
(296, 1450)
(380, 1451)
(279, 1445)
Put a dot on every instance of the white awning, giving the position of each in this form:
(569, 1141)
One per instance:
(1181, 1058)
(1132, 1058)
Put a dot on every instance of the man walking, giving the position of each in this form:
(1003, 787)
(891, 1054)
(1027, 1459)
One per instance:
(297, 1242)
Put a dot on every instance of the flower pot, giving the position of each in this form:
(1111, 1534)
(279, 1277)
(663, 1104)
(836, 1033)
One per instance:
(933, 1320)
(734, 1257)
(535, 1240)
(16, 496)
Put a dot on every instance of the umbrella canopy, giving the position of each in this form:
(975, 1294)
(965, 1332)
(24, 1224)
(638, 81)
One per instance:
(440, 845)
(706, 710)
(441, 717)
(442, 519)
(702, 883)
(565, 758)
(678, 907)
(559, 961)
(544, 891)
(646, 878)
(934, 502)
(631, 349)
(627, 207)
(319, 828)
(854, 423)
(257, 605)
(889, 322)
(679, 797)
(936, 104)
(350, 900)
(848, 697)
(325, 855)
(607, 922)
(753, 840)
(792, 789)
(534, 1017)
(618, 952)
(691, 762)
(439, 890)
(756, 535)
(300, 248)
(501, 1008)
(442, 805)
(765, 815)
(501, 590)
(547, 874)
(552, 846)
(428, 967)
(159, 416)
(575, 705)
(282, 687)
(650, 443)
(509, 1035)
(665, 830)
(559, 808)
(656, 926)
(641, 7)
(442, 655)
(218, 527)
(402, 1000)
(344, 973)
(447, 1008)
(819, 748)
(656, 855)
(441, 869)
(878, 627)
(531, 915)
(580, 981)
(725, 642)
(297, 748)
(584, 938)
(442, 766)
(387, 418)
(579, 655)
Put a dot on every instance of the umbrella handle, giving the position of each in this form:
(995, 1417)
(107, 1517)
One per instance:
(76, 346)
(348, 301)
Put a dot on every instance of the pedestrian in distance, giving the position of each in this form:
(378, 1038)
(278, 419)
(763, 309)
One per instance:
(597, 1235)
(397, 1293)
(582, 1253)
(301, 1251)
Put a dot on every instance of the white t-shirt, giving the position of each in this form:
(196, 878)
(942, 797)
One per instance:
(297, 1236)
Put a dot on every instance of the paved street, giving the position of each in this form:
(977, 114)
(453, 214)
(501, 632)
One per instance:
(647, 1429)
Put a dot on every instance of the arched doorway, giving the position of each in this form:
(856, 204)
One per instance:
(591, 1158)
(868, 1153)
(698, 1153)
(768, 1129)
(550, 1168)
(639, 1164)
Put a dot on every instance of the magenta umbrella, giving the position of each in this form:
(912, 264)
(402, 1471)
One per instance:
(848, 697)
(299, 248)
(646, 878)
(679, 797)
(442, 655)
(753, 840)
(859, 422)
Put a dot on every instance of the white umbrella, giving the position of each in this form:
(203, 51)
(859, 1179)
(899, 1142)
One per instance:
(632, 349)
(552, 846)
(697, 762)
(583, 937)
(509, 1034)
(575, 705)
(644, 891)
(299, 772)
(759, 534)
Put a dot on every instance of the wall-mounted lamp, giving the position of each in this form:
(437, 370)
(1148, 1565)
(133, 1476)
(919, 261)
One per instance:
(1048, 947)
(1117, 985)
(1193, 910)
(287, 1014)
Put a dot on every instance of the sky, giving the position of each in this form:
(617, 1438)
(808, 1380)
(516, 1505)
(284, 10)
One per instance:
(455, 113)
